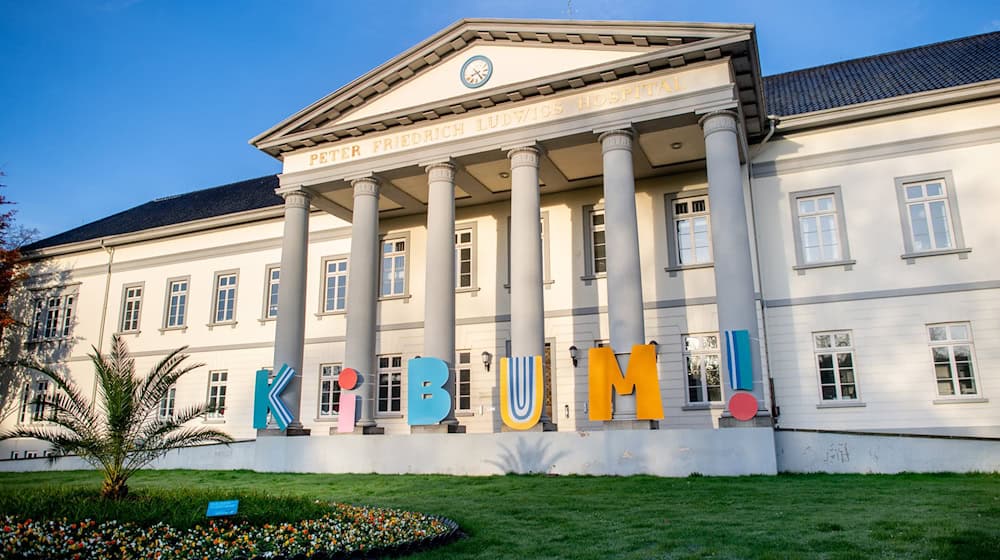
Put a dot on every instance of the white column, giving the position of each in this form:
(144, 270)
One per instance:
(527, 319)
(439, 310)
(734, 279)
(289, 333)
(362, 296)
(625, 313)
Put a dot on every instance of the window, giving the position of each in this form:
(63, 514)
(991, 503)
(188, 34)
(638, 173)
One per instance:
(329, 390)
(53, 317)
(835, 364)
(394, 267)
(952, 352)
(225, 297)
(32, 405)
(463, 381)
(599, 256)
(271, 292)
(465, 255)
(167, 403)
(390, 383)
(217, 393)
(30, 454)
(177, 294)
(928, 210)
(689, 230)
(701, 359)
(334, 285)
(131, 305)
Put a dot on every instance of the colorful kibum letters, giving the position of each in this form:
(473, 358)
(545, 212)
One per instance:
(428, 401)
(740, 364)
(521, 391)
(640, 377)
(348, 410)
(267, 397)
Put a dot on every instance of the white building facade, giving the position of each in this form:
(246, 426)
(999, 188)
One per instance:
(523, 188)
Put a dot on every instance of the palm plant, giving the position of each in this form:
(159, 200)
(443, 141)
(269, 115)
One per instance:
(124, 432)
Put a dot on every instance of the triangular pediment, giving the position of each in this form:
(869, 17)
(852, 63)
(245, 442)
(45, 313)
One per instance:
(528, 58)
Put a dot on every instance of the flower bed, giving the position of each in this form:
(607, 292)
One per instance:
(347, 531)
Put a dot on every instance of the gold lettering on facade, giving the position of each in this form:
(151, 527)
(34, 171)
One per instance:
(521, 116)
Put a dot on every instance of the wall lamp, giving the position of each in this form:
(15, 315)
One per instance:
(487, 360)
(572, 354)
(656, 349)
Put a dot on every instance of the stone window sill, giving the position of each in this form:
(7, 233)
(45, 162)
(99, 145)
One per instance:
(910, 258)
(214, 421)
(404, 297)
(703, 406)
(130, 333)
(389, 415)
(182, 328)
(264, 320)
(546, 283)
(230, 324)
(673, 270)
(325, 419)
(841, 404)
(961, 400)
(464, 413)
(322, 314)
(848, 264)
(471, 290)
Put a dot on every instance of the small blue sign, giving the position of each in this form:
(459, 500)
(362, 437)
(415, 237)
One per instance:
(223, 508)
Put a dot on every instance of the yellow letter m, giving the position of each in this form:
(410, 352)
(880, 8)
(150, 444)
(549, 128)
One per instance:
(640, 376)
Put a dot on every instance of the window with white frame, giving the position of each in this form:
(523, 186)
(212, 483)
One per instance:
(329, 390)
(463, 381)
(598, 242)
(225, 297)
(167, 403)
(834, 352)
(692, 230)
(217, 393)
(953, 356)
(464, 255)
(702, 364)
(390, 383)
(53, 317)
(394, 267)
(33, 405)
(819, 227)
(177, 296)
(928, 209)
(335, 285)
(131, 305)
(271, 292)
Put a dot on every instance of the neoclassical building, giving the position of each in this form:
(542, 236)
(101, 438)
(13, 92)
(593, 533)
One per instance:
(513, 188)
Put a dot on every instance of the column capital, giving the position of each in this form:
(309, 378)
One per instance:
(524, 156)
(618, 139)
(365, 186)
(297, 198)
(718, 121)
(440, 171)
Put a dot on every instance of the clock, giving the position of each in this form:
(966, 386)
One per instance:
(476, 71)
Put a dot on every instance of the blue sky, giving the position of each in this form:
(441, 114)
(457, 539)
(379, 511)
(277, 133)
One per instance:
(107, 104)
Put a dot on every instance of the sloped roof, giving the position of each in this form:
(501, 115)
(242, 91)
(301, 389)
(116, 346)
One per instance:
(246, 195)
(943, 65)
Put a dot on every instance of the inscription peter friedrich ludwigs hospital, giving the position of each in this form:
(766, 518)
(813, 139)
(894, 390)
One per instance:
(527, 114)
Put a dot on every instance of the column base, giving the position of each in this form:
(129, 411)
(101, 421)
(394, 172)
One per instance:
(615, 425)
(360, 431)
(438, 429)
(539, 427)
(289, 432)
(762, 420)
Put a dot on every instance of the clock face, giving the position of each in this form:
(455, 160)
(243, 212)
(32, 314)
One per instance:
(476, 71)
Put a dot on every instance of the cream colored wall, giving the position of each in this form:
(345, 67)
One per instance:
(894, 369)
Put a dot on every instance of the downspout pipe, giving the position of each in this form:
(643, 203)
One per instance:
(773, 120)
(104, 312)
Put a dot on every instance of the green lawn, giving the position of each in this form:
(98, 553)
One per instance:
(789, 516)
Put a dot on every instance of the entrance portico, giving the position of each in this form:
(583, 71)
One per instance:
(672, 100)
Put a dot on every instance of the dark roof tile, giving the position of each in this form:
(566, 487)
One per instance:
(198, 205)
(953, 63)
